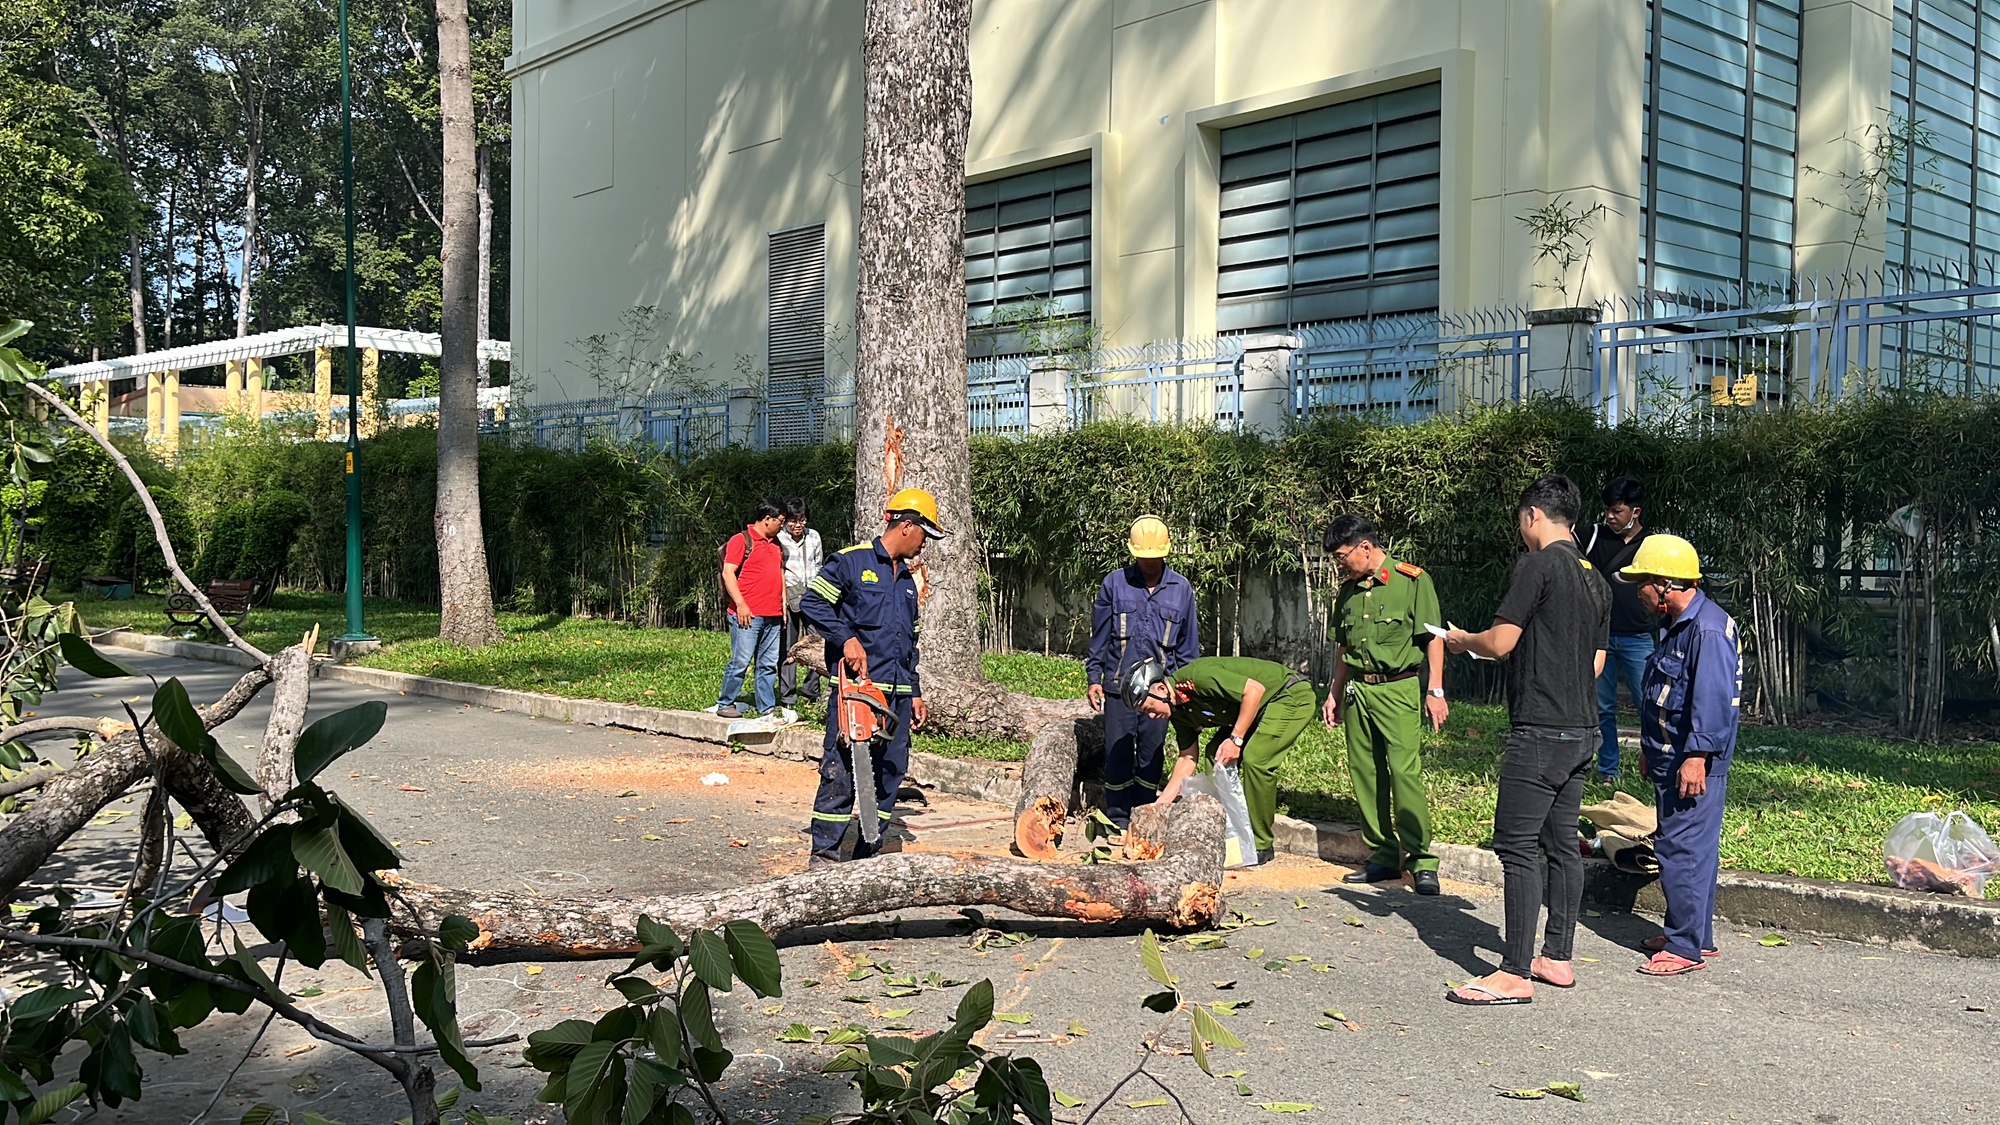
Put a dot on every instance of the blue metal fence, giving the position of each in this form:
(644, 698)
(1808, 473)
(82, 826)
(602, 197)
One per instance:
(1410, 366)
(1815, 341)
(1662, 355)
(1182, 382)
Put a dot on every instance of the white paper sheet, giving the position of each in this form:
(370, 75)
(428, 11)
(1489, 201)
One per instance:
(1440, 633)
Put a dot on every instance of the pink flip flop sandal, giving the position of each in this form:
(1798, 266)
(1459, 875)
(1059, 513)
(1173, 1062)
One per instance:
(1659, 942)
(1664, 964)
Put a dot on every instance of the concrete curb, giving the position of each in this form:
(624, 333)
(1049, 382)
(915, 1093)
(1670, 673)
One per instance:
(1845, 911)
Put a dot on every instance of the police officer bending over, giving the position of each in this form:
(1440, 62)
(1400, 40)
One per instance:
(864, 602)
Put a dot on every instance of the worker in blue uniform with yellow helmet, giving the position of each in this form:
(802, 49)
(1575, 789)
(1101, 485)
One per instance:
(1692, 693)
(864, 602)
(1144, 611)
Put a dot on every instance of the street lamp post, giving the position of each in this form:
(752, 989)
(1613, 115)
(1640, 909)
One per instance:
(355, 632)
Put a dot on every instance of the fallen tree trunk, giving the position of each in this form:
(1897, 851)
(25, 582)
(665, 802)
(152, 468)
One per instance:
(1181, 890)
(68, 801)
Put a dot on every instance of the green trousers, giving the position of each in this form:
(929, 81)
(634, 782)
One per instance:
(1282, 720)
(1384, 724)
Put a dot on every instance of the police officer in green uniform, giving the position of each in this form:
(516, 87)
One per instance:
(1257, 710)
(1380, 691)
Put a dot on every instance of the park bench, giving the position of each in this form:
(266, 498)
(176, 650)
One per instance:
(30, 576)
(231, 598)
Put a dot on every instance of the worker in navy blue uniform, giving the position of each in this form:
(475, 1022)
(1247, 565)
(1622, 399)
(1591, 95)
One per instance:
(864, 602)
(1144, 611)
(1692, 693)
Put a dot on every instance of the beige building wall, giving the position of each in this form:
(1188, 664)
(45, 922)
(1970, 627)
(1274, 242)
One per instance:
(659, 142)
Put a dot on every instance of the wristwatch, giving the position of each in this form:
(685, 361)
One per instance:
(1237, 739)
(1437, 693)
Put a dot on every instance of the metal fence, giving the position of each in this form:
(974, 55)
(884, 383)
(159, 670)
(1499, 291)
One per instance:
(1656, 357)
(1182, 382)
(677, 424)
(1409, 367)
(1813, 341)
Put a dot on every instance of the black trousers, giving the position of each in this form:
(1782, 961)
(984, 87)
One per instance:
(1542, 771)
(790, 690)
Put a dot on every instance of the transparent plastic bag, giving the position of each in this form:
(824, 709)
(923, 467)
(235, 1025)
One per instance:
(1949, 854)
(1225, 784)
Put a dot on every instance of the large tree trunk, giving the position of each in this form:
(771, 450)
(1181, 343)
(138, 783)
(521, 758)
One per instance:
(1182, 889)
(67, 803)
(910, 333)
(464, 589)
(253, 155)
(909, 387)
(135, 286)
(485, 329)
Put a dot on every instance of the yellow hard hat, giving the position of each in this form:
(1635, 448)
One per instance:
(1663, 556)
(1149, 538)
(923, 505)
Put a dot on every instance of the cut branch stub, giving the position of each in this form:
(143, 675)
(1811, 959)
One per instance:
(1181, 890)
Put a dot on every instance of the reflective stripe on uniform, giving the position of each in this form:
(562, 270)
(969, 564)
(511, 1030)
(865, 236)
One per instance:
(825, 589)
(836, 818)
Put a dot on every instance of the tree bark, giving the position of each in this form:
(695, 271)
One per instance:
(909, 388)
(136, 288)
(1048, 785)
(465, 591)
(253, 155)
(69, 800)
(910, 314)
(1182, 889)
(290, 671)
(485, 329)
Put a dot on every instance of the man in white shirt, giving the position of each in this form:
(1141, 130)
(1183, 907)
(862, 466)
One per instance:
(803, 558)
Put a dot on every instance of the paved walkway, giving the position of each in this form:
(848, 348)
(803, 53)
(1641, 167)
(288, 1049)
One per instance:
(1806, 1032)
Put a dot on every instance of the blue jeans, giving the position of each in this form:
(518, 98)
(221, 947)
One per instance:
(755, 641)
(1625, 659)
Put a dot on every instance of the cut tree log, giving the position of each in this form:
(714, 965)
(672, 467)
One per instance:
(1180, 890)
(68, 801)
(1048, 786)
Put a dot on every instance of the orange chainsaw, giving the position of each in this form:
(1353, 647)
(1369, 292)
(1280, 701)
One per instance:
(865, 717)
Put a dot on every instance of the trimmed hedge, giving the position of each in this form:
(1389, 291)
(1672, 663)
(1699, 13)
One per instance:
(1795, 500)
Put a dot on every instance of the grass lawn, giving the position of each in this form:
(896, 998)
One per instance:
(1801, 802)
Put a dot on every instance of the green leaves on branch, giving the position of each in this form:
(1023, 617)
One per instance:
(600, 1073)
(82, 656)
(1207, 1032)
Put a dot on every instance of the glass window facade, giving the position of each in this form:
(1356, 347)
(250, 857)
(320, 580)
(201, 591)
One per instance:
(1331, 214)
(1027, 250)
(1721, 145)
(1947, 80)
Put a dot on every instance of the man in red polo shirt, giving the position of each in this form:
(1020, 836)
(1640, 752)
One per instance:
(753, 582)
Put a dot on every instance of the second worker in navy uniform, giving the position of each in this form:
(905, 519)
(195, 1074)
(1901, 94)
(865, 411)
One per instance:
(864, 602)
(1144, 611)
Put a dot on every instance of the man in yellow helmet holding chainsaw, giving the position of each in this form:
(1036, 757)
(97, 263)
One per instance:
(864, 602)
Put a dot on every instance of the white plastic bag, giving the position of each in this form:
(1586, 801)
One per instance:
(1225, 784)
(1950, 854)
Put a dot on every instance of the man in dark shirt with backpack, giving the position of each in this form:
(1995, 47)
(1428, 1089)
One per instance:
(1551, 629)
(1611, 546)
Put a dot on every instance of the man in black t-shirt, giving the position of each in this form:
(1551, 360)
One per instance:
(1610, 546)
(1551, 628)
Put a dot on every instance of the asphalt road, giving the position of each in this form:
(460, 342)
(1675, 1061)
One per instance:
(1807, 1032)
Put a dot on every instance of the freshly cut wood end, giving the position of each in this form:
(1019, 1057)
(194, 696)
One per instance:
(1038, 830)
